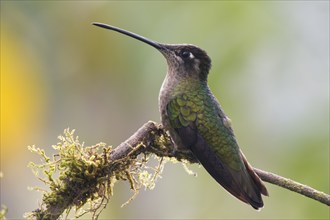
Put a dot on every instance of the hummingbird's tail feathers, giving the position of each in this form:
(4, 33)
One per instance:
(244, 184)
(248, 191)
(256, 179)
(244, 187)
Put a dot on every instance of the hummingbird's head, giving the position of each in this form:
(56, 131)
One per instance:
(187, 60)
(184, 60)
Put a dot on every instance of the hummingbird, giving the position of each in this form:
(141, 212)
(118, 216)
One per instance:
(195, 121)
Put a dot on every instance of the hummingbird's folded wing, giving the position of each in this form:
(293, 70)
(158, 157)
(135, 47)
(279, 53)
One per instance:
(234, 176)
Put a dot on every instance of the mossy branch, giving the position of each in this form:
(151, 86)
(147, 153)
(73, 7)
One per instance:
(87, 174)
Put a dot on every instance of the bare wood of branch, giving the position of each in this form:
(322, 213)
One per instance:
(293, 186)
(152, 138)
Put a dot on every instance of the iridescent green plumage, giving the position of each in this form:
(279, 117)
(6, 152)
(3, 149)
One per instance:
(197, 108)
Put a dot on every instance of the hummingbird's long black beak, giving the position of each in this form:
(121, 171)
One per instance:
(156, 45)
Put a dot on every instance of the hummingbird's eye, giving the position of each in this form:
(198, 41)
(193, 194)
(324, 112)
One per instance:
(186, 54)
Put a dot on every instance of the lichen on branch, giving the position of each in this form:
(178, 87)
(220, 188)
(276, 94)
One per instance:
(75, 176)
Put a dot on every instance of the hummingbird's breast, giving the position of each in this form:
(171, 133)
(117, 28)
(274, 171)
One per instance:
(165, 94)
(172, 86)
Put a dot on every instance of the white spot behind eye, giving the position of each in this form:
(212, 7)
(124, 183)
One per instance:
(191, 56)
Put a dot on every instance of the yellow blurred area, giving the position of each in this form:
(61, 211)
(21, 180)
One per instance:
(22, 96)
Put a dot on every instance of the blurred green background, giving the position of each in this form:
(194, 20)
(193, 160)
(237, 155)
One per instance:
(270, 73)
